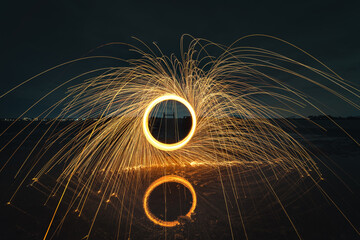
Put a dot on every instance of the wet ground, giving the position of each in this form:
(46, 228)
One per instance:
(233, 202)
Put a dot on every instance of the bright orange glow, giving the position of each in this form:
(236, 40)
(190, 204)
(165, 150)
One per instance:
(149, 136)
(165, 179)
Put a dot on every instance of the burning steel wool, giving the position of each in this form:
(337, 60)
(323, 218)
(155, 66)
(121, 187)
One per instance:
(131, 130)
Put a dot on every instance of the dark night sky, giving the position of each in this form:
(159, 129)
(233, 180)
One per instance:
(37, 35)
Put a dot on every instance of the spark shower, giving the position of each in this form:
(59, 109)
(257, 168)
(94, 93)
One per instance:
(232, 97)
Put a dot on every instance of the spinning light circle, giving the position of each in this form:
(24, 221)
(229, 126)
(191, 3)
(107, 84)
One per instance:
(165, 179)
(150, 137)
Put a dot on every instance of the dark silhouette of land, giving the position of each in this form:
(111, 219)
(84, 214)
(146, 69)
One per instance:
(170, 130)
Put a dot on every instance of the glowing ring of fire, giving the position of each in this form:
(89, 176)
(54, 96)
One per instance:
(149, 136)
(169, 178)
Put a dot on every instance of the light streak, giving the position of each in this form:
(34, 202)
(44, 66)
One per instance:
(155, 142)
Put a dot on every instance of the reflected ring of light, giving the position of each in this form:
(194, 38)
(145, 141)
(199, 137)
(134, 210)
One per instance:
(165, 179)
(149, 136)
